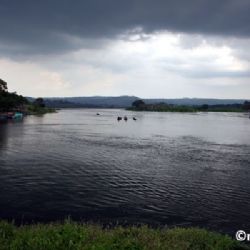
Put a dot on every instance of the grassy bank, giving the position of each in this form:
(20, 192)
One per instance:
(75, 236)
(36, 110)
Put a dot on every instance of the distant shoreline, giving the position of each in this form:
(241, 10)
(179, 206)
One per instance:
(188, 109)
(126, 101)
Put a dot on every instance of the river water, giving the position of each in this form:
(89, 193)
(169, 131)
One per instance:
(164, 169)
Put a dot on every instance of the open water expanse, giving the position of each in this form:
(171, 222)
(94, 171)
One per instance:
(163, 169)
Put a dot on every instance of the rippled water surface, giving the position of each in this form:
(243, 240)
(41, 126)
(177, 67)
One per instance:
(163, 169)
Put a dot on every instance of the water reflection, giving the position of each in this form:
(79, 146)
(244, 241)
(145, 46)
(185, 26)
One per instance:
(3, 135)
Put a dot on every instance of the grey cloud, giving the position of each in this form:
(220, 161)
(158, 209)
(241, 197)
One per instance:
(216, 74)
(39, 26)
(201, 70)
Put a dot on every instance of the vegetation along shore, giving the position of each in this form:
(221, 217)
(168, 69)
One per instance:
(14, 106)
(140, 105)
(70, 235)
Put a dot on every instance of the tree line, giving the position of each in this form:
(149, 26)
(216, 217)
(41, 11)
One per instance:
(12, 101)
(140, 105)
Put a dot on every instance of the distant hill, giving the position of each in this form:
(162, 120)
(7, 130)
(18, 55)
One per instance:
(91, 102)
(126, 101)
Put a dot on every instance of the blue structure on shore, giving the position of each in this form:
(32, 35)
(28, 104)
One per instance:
(11, 116)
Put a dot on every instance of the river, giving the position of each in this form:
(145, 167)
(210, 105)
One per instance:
(164, 169)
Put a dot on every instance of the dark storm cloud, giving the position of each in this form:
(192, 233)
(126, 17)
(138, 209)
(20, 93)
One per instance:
(44, 25)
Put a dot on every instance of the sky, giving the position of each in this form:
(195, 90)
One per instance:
(145, 48)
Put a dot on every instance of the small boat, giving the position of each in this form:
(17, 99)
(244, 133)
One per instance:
(97, 114)
(17, 116)
(134, 119)
(125, 118)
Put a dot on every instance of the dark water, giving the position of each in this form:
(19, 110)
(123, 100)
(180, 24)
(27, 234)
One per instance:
(163, 169)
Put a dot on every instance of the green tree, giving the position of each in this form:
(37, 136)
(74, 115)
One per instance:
(138, 104)
(204, 107)
(39, 102)
(246, 105)
(3, 86)
(10, 101)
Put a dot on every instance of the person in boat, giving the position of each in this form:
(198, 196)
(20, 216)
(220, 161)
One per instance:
(134, 119)
(119, 118)
(125, 118)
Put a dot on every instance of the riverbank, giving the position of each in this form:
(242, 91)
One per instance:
(70, 235)
(30, 110)
(36, 110)
(140, 105)
(14, 106)
(186, 109)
